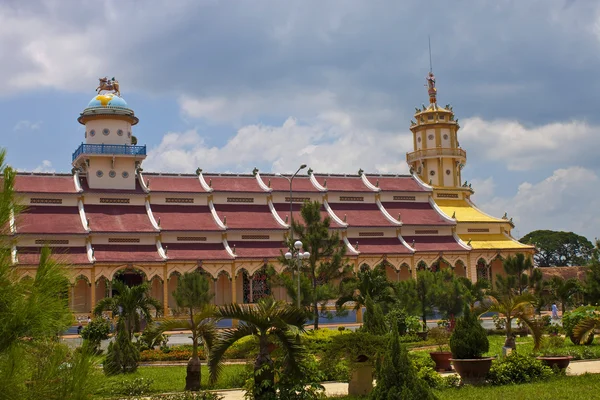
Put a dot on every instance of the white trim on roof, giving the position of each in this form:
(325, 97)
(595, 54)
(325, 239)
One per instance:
(220, 223)
(261, 183)
(332, 214)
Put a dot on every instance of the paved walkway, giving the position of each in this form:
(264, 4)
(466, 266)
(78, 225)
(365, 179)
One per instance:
(341, 388)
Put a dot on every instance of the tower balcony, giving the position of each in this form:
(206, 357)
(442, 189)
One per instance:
(435, 153)
(110, 149)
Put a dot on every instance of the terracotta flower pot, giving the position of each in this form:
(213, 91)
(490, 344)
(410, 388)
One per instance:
(472, 371)
(442, 360)
(561, 362)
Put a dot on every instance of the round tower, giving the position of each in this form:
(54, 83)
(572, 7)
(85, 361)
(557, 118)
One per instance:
(437, 157)
(110, 154)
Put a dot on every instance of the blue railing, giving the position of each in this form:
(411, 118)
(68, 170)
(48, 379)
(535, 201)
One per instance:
(109, 149)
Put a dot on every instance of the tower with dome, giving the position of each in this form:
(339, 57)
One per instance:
(108, 219)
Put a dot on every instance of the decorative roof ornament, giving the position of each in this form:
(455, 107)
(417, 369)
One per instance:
(431, 89)
(108, 85)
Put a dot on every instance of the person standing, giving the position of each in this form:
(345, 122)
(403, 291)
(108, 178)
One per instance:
(554, 311)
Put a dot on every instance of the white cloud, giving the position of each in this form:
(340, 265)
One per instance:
(567, 200)
(45, 166)
(522, 148)
(333, 143)
(25, 125)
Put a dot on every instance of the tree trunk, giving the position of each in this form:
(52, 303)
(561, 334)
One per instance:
(263, 371)
(316, 324)
(192, 377)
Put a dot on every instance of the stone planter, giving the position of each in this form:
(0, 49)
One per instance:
(472, 371)
(442, 360)
(561, 362)
(361, 379)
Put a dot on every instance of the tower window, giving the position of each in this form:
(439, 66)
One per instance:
(430, 117)
(128, 134)
(430, 137)
(112, 174)
(419, 139)
(120, 132)
(445, 137)
(432, 173)
(92, 133)
(125, 174)
(105, 131)
(99, 174)
(442, 117)
(447, 172)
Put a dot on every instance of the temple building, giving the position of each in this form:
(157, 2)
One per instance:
(108, 219)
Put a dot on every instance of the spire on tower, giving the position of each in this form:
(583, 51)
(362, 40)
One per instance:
(431, 79)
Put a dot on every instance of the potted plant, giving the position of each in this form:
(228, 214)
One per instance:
(551, 353)
(440, 337)
(468, 343)
(415, 327)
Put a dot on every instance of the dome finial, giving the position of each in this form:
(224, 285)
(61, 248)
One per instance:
(109, 85)
(431, 89)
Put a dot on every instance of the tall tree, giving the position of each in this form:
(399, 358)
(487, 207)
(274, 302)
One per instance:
(273, 323)
(131, 303)
(326, 264)
(592, 279)
(564, 291)
(193, 295)
(450, 294)
(559, 249)
(426, 291)
(366, 283)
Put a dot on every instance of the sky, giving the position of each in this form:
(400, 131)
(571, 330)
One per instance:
(232, 85)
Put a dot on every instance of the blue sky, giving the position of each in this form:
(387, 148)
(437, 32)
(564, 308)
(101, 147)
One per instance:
(229, 85)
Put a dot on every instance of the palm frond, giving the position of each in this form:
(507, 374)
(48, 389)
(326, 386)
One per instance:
(585, 328)
(227, 338)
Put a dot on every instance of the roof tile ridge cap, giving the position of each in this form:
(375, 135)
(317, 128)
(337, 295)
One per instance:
(349, 246)
(333, 216)
(405, 244)
(507, 235)
(13, 254)
(470, 203)
(213, 211)
(261, 183)
(316, 183)
(440, 212)
(460, 241)
(90, 252)
(76, 182)
(227, 248)
(387, 214)
(161, 250)
(421, 183)
(203, 183)
(82, 216)
(140, 177)
(151, 215)
(275, 215)
(368, 184)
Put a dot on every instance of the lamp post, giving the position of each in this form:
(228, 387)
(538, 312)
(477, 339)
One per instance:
(298, 255)
(290, 180)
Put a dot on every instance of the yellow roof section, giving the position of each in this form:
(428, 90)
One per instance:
(463, 211)
(493, 241)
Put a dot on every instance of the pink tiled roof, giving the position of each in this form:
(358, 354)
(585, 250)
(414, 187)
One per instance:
(283, 210)
(174, 183)
(301, 183)
(84, 185)
(360, 214)
(343, 183)
(126, 253)
(184, 218)
(247, 216)
(118, 218)
(50, 220)
(64, 255)
(196, 251)
(379, 245)
(415, 213)
(44, 183)
(233, 183)
(266, 249)
(402, 183)
(433, 243)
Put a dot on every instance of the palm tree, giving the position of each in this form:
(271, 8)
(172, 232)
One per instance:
(193, 295)
(585, 328)
(271, 322)
(367, 282)
(474, 292)
(513, 306)
(129, 304)
(563, 290)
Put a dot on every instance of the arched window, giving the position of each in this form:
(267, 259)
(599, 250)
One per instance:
(482, 270)
(257, 287)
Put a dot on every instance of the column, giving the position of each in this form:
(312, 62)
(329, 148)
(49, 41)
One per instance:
(234, 323)
(73, 297)
(165, 292)
(93, 286)
(215, 284)
(251, 299)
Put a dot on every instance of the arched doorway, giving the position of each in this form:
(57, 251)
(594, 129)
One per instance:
(130, 277)
(482, 270)
(256, 286)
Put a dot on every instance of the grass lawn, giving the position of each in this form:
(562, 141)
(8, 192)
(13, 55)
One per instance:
(172, 379)
(561, 388)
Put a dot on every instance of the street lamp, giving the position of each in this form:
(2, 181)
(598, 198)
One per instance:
(299, 255)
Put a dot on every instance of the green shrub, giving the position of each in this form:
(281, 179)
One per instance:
(374, 320)
(132, 387)
(95, 332)
(187, 396)
(152, 337)
(122, 355)
(469, 339)
(571, 319)
(517, 368)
